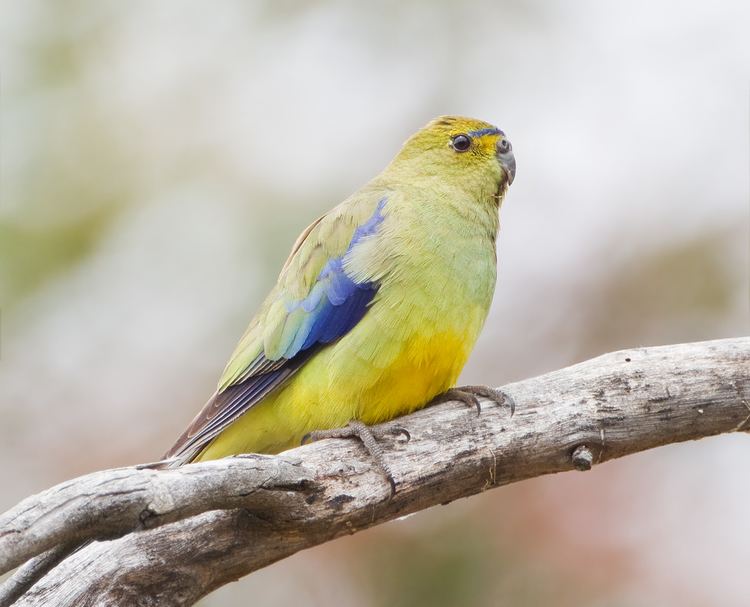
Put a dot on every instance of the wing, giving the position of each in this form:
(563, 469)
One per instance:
(315, 302)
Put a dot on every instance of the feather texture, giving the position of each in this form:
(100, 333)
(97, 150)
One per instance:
(292, 328)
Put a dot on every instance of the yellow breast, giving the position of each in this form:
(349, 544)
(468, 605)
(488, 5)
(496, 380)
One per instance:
(373, 382)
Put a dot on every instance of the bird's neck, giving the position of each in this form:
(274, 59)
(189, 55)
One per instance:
(435, 197)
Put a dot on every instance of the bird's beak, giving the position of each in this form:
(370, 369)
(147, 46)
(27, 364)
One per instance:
(506, 158)
(509, 165)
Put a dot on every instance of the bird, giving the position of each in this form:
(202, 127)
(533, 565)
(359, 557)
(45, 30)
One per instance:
(377, 308)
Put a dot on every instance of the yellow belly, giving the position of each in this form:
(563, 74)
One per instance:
(372, 380)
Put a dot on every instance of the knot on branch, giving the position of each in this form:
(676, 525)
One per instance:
(582, 458)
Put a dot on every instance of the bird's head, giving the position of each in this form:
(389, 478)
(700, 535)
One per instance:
(467, 152)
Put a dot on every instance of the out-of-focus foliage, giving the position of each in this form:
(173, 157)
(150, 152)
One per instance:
(465, 567)
(159, 159)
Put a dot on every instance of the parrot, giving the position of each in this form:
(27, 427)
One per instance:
(376, 309)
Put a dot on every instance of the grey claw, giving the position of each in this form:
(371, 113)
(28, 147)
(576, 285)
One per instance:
(511, 403)
(469, 394)
(392, 484)
(369, 438)
(403, 432)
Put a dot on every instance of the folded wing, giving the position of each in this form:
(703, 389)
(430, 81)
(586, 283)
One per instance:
(314, 303)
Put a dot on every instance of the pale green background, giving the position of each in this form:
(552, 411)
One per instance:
(159, 158)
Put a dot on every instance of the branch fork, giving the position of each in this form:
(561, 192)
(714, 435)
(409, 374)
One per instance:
(169, 537)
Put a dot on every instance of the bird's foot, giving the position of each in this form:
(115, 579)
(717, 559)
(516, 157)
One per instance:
(369, 436)
(469, 395)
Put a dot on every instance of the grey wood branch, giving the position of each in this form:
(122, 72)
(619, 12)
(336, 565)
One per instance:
(182, 533)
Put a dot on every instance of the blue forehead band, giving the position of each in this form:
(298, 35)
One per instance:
(483, 132)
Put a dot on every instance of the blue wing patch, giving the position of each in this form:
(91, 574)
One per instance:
(335, 304)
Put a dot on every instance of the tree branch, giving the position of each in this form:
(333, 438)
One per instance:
(184, 532)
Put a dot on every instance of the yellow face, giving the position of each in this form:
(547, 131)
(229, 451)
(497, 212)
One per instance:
(459, 146)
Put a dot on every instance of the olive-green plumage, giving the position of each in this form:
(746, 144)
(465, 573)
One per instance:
(379, 304)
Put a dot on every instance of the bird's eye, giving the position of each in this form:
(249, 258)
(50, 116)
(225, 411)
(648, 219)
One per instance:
(461, 143)
(503, 146)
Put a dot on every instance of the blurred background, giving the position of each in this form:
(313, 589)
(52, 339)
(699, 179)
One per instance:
(159, 159)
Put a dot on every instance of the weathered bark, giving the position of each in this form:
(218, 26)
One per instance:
(188, 531)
